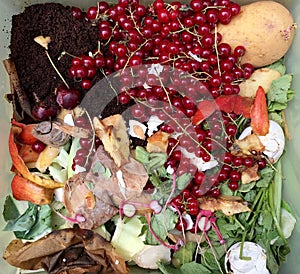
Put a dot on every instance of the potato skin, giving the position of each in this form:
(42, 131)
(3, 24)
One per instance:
(260, 28)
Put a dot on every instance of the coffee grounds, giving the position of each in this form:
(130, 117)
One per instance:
(37, 76)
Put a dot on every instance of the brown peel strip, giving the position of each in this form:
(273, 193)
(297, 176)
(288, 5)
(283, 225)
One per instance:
(285, 126)
(22, 96)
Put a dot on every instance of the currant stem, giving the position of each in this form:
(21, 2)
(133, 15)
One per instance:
(57, 71)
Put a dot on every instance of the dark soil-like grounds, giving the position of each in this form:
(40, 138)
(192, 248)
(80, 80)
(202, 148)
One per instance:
(37, 76)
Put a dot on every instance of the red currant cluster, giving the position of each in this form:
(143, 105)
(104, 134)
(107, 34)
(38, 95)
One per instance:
(83, 156)
(182, 36)
(195, 65)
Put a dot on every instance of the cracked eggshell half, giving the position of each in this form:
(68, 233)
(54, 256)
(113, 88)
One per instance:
(256, 265)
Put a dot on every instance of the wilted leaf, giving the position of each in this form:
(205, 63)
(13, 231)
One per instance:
(158, 142)
(112, 132)
(67, 251)
(250, 174)
(229, 205)
(250, 145)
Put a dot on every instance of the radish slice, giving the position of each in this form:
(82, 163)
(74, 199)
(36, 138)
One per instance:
(155, 206)
(129, 210)
(204, 224)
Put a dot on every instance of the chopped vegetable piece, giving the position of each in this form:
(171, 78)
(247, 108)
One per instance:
(259, 114)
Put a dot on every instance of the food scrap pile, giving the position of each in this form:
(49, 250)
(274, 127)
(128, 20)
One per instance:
(149, 135)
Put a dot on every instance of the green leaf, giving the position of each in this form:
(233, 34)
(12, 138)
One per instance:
(151, 161)
(43, 224)
(183, 180)
(107, 173)
(90, 185)
(225, 190)
(287, 222)
(185, 254)
(62, 158)
(164, 188)
(10, 210)
(280, 93)
(99, 168)
(246, 187)
(156, 160)
(250, 196)
(24, 222)
(279, 66)
(32, 224)
(193, 267)
(141, 155)
(266, 219)
(267, 175)
(276, 117)
(161, 223)
(188, 268)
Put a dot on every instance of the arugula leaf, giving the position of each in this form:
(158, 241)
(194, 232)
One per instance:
(151, 161)
(164, 188)
(187, 268)
(43, 224)
(267, 174)
(276, 117)
(246, 187)
(185, 254)
(161, 223)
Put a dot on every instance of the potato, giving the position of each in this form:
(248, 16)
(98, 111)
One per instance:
(265, 28)
(261, 77)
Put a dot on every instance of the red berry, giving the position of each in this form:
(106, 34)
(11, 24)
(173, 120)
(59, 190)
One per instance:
(38, 146)
(67, 98)
(233, 185)
(86, 84)
(91, 13)
(235, 175)
(77, 13)
(181, 225)
(215, 192)
(199, 177)
(196, 5)
(45, 110)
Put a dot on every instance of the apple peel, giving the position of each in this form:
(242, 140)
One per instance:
(21, 167)
(25, 190)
